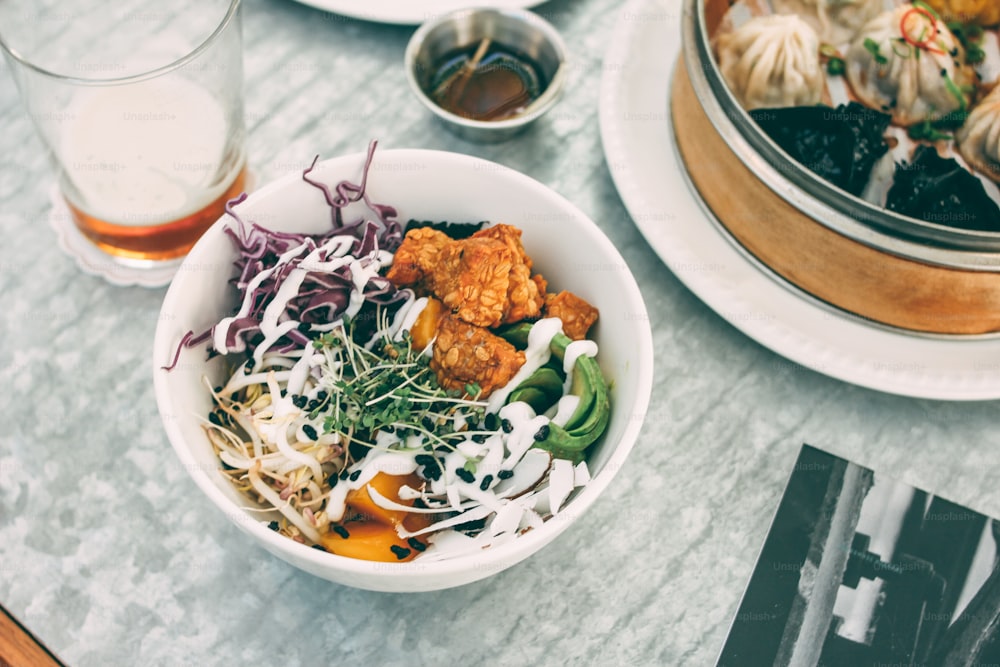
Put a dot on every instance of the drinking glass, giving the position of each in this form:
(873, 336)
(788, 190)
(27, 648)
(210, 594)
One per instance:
(140, 105)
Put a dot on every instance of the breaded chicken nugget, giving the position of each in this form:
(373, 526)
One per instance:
(472, 278)
(982, 12)
(416, 257)
(524, 299)
(466, 354)
(510, 236)
(576, 314)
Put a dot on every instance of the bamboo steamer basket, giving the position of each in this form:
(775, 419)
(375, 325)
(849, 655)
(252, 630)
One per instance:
(873, 263)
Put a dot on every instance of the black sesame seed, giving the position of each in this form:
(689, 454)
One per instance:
(399, 552)
(465, 475)
(321, 395)
(332, 480)
(299, 401)
(312, 405)
(218, 390)
(542, 433)
(485, 484)
(491, 422)
(214, 418)
(471, 526)
(416, 544)
(944, 72)
(479, 438)
(310, 431)
(318, 546)
(505, 474)
(427, 423)
(344, 474)
(424, 460)
(506, 426)
(340, 530)
(273, 525)
(355, 475)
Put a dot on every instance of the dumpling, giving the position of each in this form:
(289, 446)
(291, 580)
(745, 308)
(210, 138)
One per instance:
(772, 61)
(836, 21)
(907, 63)
(982, 12)
(979, 138)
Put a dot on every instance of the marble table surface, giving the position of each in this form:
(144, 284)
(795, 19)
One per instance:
(109, 553)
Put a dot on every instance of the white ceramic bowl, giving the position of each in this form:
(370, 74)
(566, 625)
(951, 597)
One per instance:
(567, 248)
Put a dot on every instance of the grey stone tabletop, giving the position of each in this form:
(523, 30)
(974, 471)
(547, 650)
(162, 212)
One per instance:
(111, 556)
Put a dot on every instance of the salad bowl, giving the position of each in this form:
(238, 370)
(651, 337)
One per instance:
(567, 248)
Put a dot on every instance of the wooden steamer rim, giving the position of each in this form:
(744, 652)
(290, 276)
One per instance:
(850, 254)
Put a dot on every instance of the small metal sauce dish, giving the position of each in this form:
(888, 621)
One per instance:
(520, 31)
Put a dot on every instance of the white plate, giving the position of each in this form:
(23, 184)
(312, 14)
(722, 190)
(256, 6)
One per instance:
(408, 12)
(641, 154)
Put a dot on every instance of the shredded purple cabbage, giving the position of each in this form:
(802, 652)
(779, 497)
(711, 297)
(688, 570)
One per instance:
(323, 295)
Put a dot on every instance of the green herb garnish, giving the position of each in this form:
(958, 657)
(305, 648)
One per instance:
(873, 48)
(390, 387)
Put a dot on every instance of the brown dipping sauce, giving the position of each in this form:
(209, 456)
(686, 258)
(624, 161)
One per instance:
(500, 85)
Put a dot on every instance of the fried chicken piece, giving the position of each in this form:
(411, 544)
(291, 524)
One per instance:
(472, 278)
(576, 314)
(466, 354)
(416, 258)
(982, 12)
(510, 236)
(524, 298)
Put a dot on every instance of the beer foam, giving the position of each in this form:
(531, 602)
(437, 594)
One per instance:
(145, 153)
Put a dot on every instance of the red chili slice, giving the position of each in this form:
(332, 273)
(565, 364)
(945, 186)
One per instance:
(927, 43)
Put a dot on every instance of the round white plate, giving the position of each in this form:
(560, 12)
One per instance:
(408, 12)
(641, 154)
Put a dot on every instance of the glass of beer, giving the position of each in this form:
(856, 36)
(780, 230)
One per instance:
(140, 104)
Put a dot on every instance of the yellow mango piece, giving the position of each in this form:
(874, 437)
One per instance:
(425, 326)
(369, 541)
(361, 503)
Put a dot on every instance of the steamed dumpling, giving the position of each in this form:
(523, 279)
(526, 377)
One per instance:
(983, 12)
(979, 139)
(772, 61)
(836, 21)
(915, 76)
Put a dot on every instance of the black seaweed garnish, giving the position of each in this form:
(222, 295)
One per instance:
(940, 190)
(840, 145)
(455, 230)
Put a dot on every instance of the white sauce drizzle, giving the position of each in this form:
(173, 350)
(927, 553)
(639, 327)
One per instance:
(406, 316)
(536, 355)
(565, 408)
